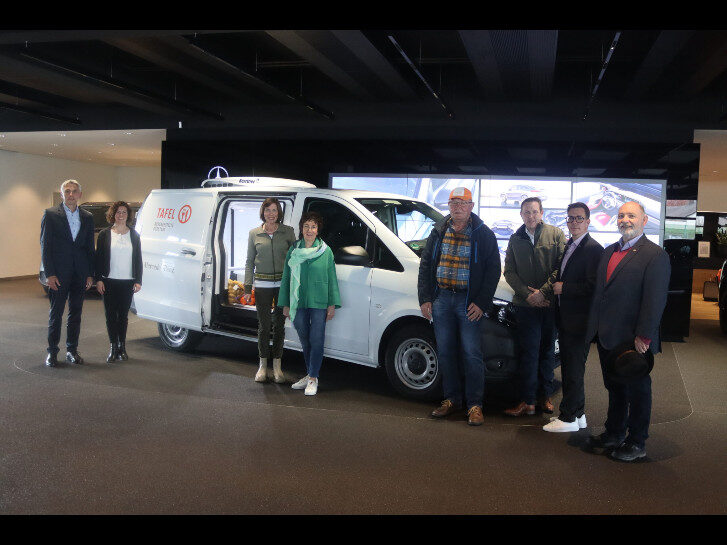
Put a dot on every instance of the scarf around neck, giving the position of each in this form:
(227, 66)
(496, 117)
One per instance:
(297, 257)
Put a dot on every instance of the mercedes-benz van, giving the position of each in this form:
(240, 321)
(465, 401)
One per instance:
(194, 244)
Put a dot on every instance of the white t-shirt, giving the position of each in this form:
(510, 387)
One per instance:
(121, 255)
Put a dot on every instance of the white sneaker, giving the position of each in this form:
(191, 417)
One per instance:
(312, 387)
(558, 426)
(581, 420)
(302, 383)
(262, 372)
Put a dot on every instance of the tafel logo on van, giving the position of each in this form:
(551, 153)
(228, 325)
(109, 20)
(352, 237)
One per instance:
(184, 214)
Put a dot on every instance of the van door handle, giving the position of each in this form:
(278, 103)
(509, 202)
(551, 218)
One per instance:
(188, 251)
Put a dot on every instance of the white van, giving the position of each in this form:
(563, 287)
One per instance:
(194, 241)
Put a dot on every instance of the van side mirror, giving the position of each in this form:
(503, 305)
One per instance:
(352, 255)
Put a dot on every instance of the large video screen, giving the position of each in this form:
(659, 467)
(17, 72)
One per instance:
(497, 199)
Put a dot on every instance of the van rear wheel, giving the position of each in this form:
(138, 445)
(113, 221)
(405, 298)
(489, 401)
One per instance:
(411, 363)
(179, 338)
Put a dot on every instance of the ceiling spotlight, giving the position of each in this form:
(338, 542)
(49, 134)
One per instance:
(111, 144)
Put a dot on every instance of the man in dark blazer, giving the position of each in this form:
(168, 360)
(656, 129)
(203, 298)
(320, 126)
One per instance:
(67, 251)
(574, 286)
(631, 290)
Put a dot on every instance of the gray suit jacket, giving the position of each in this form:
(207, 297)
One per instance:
(631, 303)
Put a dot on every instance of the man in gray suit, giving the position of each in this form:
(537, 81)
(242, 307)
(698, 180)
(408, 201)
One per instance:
(631, 289)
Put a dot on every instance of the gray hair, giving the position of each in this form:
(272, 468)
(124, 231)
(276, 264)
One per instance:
(71, 182)
(643, 211)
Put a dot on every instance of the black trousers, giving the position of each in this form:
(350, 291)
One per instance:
(573, 355)
(629, 406)
(116, 302)
(71, 290)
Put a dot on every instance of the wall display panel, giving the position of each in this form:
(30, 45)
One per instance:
(675, 228)
(605, 198)
(681, 209)
(497, 198)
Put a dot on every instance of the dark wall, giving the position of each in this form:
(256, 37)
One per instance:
(185, 162)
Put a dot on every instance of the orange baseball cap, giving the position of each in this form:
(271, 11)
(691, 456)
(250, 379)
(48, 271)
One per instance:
(461, 193)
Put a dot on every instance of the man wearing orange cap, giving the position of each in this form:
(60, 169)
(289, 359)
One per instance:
(458, 275)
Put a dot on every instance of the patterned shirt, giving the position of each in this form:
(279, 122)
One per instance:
(453, 270)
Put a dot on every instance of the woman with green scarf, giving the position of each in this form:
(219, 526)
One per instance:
(309, 295)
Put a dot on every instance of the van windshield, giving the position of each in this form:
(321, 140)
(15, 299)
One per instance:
(411, 221)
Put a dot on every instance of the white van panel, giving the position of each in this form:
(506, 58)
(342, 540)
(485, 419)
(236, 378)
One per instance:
(176, 231)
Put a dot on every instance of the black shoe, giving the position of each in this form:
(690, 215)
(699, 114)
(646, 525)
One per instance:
(121, 352)
(628, 452)
(604, 441)
(51, 360)
(113, 354)
(74, 358)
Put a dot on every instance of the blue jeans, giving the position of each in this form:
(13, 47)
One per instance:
(310, 323)
(459, 346)
(536, 336)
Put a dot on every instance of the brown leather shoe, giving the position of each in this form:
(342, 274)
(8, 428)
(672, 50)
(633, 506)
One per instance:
(475, 417)
(546, 406)
(445, 409)
(521, 410)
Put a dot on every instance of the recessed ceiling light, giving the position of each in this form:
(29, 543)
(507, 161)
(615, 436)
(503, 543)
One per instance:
(111, 144)
(55, 145)
(128, 132)
(99, 152)
(61, 134)
(2, 136)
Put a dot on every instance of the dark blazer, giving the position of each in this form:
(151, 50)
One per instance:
(484, 264)
(103, 255)
(579, 283)
(61, 255)
(631, 303)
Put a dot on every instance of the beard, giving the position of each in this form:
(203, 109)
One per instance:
(627, 231)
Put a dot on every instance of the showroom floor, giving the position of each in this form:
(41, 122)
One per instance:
(193, 433)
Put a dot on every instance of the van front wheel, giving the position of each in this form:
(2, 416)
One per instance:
(411, 363)
(179, 338)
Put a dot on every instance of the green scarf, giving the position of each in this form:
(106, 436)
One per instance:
(297, 257)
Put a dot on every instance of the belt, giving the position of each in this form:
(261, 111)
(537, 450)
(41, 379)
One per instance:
(453, 290)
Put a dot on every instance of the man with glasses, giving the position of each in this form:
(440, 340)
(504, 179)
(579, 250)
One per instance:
(458, 275)
(531, 264)
(629, 298)
(573, 289)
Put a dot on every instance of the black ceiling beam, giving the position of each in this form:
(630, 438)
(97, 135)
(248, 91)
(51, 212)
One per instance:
(46, 36)
(122, 89)
(602, 73)
(667, 45)
(436, 96)
(168, 57)
(39, 113)
(478, 44)
(302, 45)
(256, 81)
(365, 51)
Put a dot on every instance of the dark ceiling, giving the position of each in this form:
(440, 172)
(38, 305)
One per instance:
(529, 90)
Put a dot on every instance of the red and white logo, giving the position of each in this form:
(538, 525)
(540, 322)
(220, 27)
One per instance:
(184, 213)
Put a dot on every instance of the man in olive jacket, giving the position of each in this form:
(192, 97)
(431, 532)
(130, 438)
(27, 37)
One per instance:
(458, 276)
(531, 265)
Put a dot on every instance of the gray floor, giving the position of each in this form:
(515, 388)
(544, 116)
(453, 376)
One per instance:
(193, 433)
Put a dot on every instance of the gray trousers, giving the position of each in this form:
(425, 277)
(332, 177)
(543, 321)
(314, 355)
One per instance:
(264, 298)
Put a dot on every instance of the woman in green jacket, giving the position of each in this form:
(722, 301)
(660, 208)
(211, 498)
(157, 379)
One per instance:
(267, 247)
(309, 295)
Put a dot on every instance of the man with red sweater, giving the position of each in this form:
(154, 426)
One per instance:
(631, 289)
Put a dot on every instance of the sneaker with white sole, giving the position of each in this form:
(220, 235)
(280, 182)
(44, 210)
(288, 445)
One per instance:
(581, 421)
(556, 425)
(302, 383)
(312, 387)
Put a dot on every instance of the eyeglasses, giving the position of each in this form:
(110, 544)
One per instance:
(458, 202)
(577, 219)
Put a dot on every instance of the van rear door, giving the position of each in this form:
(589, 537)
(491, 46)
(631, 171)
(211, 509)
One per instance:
(174, 228)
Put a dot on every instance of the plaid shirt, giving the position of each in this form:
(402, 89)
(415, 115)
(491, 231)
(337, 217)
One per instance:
(453, 269)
